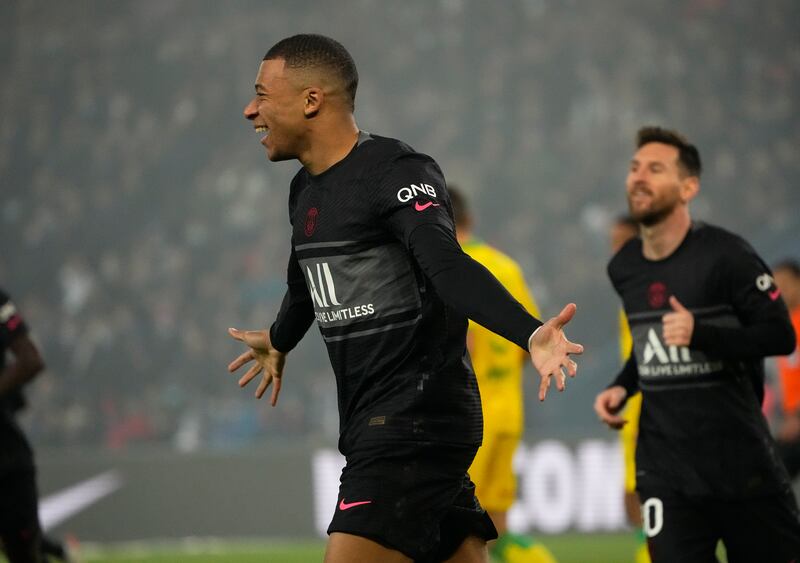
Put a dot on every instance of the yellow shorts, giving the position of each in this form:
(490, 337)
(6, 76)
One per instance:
(493, 473)
(628, 436)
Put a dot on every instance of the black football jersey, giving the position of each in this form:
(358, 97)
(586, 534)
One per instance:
(15, 452)
(397, 350)
(702, 431)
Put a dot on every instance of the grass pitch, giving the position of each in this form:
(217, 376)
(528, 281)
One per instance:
(568, 548)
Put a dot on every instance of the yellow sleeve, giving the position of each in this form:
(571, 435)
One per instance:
(516, 286)
(625, 338)
(632, 410)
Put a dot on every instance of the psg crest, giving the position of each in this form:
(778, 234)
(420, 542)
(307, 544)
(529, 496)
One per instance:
(656, 293)
(311, 221)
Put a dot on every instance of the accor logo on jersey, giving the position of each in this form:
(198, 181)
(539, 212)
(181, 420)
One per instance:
(408, 193)
(654, 349)
(658, 359)
(323, 294)
(311, 221)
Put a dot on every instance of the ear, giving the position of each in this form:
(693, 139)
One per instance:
(312, 101)
(690, 187)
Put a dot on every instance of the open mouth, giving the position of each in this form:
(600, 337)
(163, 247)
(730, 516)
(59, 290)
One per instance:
(263, 129)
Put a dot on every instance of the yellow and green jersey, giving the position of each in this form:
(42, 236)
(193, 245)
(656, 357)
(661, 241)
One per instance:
(633, 408)
(499, 363)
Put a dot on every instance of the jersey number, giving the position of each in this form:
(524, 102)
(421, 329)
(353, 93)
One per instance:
(652, 516)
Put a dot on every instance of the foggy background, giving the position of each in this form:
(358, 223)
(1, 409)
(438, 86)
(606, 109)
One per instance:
(139, 217)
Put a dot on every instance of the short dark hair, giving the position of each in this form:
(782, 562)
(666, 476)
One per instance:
(688, 155)
(461, 212)
(317, 51)
(790, 265)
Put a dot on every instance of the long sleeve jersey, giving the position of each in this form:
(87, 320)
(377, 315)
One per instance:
(376, 264)
(701, 427)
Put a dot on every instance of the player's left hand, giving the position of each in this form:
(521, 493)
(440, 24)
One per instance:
(550, 351)
(678, 325)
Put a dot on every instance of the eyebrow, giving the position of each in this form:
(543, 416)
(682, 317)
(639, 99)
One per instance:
(649, 163)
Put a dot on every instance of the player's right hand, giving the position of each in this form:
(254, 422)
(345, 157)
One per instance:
(268, 360)
(550, 351)
(608, 403)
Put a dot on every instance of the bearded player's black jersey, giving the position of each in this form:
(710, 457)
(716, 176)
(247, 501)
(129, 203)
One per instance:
(375, 262)
(701, 430)
(15, 452)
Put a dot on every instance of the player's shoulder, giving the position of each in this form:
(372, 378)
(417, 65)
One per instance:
(385, 154)
(384, 148)
(625, 258)
(392, 171)
(723, 242)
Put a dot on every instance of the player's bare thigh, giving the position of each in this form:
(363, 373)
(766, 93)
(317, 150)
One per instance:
(472, 550)
(348, 548)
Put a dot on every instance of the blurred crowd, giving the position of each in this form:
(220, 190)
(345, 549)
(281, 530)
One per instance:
(139, 217)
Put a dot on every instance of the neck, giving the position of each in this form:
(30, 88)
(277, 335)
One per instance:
(662, 239)
(329, 144)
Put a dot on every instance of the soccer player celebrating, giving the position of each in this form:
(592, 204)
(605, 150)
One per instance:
(19, 513)
(704, 312)
(498, 366)
(374, 260)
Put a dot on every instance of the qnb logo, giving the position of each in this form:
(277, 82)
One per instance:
(410, 192)
(670, 355)
(324, 290)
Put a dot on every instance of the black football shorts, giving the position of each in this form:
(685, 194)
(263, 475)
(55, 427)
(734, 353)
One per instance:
(414, 497)
(683, 529)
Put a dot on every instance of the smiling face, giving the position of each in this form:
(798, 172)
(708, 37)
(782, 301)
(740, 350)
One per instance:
(278, 110)
(656, 184)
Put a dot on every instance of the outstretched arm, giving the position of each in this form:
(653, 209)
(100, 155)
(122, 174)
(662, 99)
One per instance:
(468, 287)
(268, 348)
(422, 220)
(296, 313)
(550, 351)
(268, 361)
